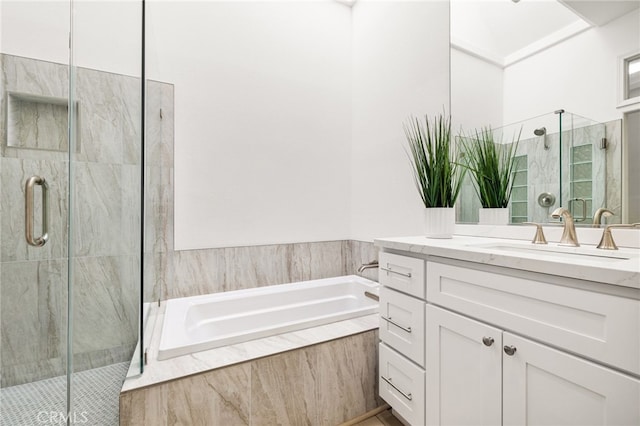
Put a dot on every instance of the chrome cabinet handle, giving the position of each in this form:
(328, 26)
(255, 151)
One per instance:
(387, 269)
(28, 211)
(510, 350)
(488, 341)
(389, 320)
(388, 380)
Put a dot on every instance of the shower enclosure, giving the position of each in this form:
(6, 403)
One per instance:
(71, 201)
(562, 160)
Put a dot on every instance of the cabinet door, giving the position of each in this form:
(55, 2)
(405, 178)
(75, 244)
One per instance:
(544, 386)
(463, 370)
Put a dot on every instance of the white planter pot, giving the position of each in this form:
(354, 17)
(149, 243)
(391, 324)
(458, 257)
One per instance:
(499, 216)
(439, 222)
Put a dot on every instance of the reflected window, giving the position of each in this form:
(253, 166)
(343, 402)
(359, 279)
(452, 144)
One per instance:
(632, 77)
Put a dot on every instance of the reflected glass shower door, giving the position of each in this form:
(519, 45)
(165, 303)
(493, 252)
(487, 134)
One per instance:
(34, 97)
(536, 178)
(583, 166)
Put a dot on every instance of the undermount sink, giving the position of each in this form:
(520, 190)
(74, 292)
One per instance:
(551, 250)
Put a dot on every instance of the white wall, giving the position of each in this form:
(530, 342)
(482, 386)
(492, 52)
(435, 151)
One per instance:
(400, 67)
(35, 29)
(476, 92)
(579, 75)
(106, 34)
(262, 119)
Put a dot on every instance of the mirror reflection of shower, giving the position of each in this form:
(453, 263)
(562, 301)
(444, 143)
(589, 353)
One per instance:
(542, 131)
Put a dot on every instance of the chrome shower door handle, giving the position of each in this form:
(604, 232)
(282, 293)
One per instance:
(584, 209)
(28, 211)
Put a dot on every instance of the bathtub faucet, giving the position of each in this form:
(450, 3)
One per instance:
(370, 265)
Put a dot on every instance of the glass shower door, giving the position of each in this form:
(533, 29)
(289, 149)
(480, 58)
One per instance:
(70, 218)
(34, 212)
(105, 203)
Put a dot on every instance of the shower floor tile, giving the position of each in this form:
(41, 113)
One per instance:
(95, 394)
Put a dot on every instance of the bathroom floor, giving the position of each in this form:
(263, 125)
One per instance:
(95, 395)
(383, 419)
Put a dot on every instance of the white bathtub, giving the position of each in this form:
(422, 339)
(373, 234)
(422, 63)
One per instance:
(198, 323)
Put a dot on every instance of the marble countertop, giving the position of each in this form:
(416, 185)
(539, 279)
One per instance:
(621, 267)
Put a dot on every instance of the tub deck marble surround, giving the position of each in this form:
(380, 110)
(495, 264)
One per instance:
(323, 375)
(157, 372)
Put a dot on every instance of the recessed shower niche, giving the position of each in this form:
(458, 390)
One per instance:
(37, 122)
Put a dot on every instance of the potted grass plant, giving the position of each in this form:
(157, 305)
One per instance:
(438, 175)
(492, 168)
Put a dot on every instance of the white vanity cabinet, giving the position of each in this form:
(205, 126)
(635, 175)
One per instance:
(506, 346)
(478, 374)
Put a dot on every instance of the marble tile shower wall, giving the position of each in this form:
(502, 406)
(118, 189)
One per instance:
(105, 204)
(543, 169)
(613, 185)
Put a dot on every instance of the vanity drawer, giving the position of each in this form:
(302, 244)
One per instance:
(402, 323)
(405, 274)
(599, 326)
(402, 385)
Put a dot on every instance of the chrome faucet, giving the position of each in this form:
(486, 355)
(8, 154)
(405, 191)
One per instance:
(599, 214)
(569, 237)
(370, 265)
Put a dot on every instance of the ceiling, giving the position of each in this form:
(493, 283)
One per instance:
(504, 31)
(600, 12)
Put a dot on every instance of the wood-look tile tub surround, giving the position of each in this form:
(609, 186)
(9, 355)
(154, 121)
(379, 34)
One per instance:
(322, 384)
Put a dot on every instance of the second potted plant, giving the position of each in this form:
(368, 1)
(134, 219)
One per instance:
(492, 167)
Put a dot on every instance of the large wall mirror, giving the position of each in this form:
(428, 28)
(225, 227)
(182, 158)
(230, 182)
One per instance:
(553, 73)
